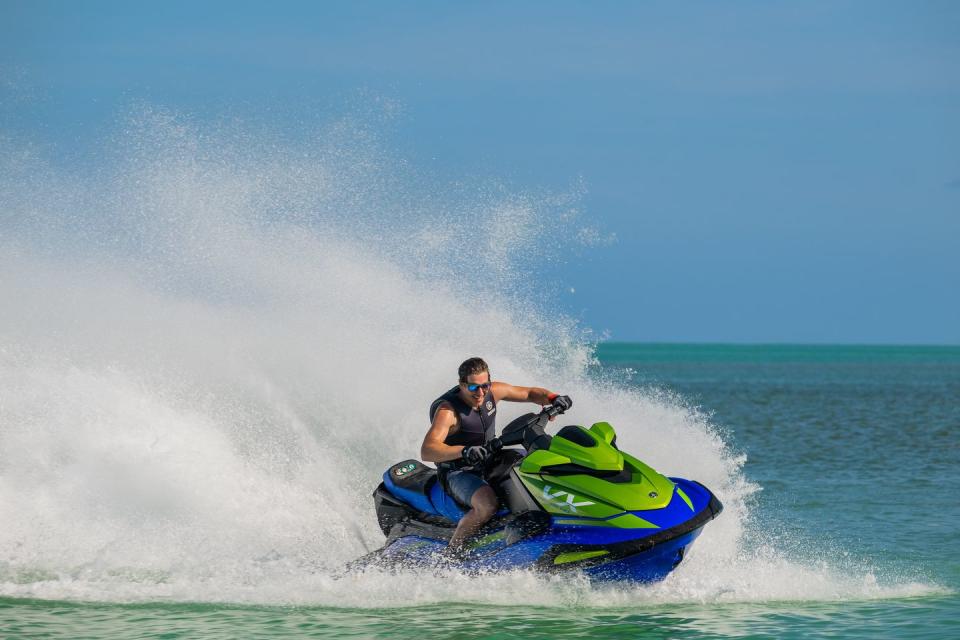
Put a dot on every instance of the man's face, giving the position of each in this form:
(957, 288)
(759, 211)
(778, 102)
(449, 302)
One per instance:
(475, 398)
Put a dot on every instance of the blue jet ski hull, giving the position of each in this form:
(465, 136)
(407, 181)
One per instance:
(419, 519)
(644, 566)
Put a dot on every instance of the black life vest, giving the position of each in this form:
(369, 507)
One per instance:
(473, 426)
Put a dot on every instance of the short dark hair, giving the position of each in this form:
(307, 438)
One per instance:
(472, 366)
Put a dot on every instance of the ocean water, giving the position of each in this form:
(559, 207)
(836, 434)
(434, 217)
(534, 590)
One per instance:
(214, 339)
(850, 531)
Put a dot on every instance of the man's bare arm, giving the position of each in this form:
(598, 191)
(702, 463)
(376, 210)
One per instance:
(504, 391)
(433, 449)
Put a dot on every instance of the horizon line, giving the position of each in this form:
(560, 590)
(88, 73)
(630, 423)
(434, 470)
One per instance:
(780, 344)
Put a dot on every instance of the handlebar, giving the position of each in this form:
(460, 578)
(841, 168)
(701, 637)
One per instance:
(552, 411)
(528, 430)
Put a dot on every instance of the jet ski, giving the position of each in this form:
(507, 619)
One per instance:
(571, 501)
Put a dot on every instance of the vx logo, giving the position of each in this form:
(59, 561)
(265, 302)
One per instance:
(567, 504)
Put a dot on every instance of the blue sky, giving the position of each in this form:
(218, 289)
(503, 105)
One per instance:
(772, 171)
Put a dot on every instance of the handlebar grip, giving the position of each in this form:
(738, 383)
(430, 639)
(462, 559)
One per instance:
(495, 445)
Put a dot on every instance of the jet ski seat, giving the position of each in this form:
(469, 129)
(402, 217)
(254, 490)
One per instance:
(417, 484)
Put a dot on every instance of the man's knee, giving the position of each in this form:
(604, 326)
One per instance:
(484, 502)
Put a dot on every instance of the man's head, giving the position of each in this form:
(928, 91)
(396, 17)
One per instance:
(474, 381)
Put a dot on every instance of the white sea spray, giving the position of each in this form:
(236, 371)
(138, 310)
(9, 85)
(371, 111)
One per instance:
(213, 342)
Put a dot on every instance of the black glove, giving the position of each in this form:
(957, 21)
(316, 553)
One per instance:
(475, 455)
(563, 403)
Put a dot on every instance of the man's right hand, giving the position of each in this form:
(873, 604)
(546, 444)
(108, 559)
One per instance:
(475, 455)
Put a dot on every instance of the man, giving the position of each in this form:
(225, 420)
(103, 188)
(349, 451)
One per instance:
(462, 423)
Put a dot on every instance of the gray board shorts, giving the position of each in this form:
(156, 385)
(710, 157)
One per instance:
(462, 484)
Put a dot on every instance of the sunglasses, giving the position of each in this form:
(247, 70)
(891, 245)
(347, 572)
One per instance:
(474, 386)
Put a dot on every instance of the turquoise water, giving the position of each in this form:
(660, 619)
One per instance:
(854, 446)
(844, 515)
(931, 617)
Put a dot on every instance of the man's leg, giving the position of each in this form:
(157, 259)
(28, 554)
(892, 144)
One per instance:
(483, 505)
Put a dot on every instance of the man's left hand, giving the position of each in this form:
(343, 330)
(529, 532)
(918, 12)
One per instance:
(563, 403)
